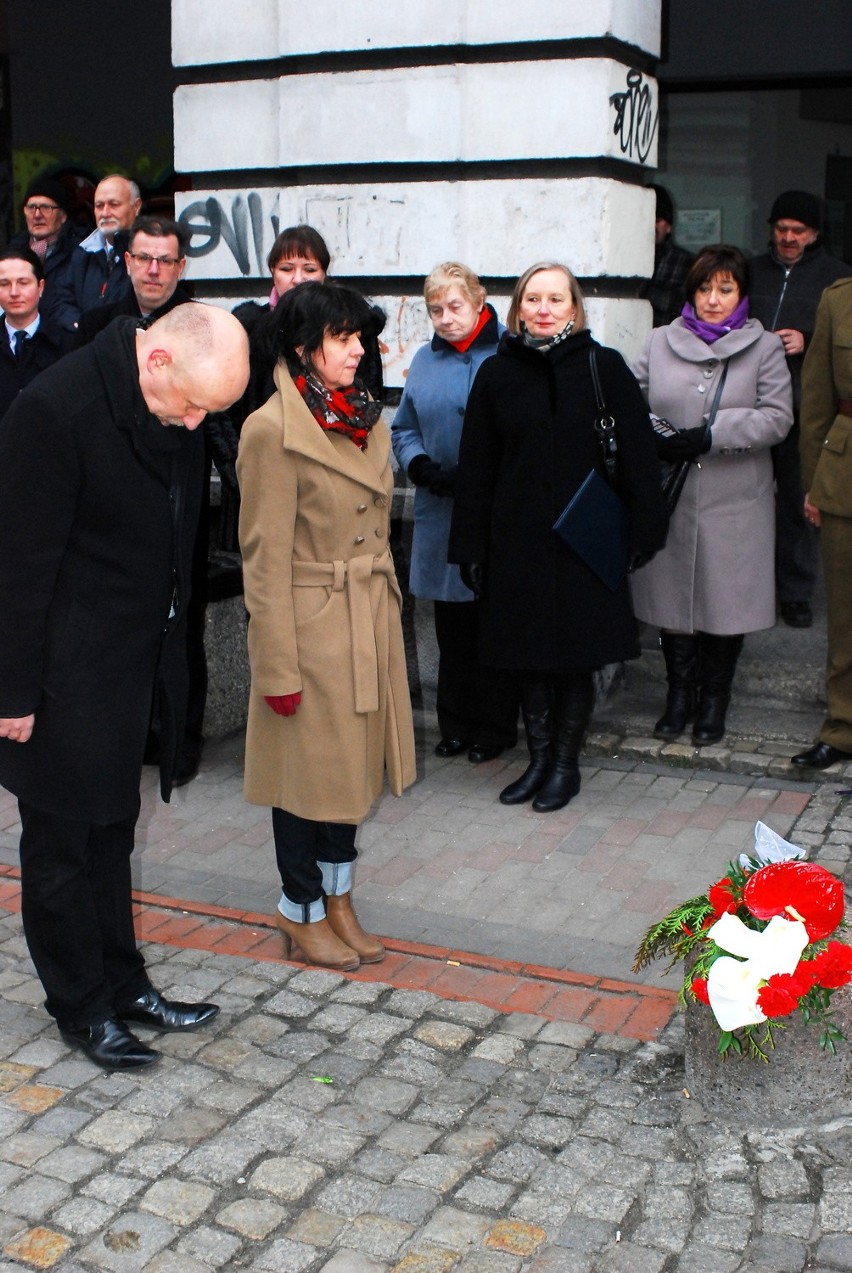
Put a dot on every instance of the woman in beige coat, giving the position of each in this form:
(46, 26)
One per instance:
(714, 580)
(329, 710)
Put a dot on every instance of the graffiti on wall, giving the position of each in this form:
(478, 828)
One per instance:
(636, 117)
(245, 225)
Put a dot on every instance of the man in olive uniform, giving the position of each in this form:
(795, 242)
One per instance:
(826, 453)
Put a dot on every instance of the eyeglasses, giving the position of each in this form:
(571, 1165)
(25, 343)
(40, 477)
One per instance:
(145, 258)
(41, 207)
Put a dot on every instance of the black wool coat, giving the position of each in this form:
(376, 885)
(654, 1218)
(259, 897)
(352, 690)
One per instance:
(98, 507)
(527, 444)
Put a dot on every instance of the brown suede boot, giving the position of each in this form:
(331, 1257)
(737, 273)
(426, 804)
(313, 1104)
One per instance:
(343, 920)
(318, 943)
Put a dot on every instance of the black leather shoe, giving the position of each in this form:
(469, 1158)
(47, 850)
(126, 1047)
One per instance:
(110, 1045)
(820, 756)
(162, 1014)
(479, 753)
(797, 614)
(450, 746)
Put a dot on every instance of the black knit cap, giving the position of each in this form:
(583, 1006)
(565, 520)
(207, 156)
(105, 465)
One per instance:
(665, 207)
(48, 189)
(797, 205)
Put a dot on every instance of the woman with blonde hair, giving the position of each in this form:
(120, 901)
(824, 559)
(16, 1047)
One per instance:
(477, 708)
(528, 443)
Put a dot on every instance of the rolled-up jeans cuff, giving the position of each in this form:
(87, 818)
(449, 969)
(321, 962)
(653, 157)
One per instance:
(336, 878)
(302, 912)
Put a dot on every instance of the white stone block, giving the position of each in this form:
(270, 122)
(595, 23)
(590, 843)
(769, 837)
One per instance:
(205, 33)
(585, 108)
(595, 225)
(623, 324)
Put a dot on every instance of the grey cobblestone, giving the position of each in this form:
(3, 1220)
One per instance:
(443, 1121)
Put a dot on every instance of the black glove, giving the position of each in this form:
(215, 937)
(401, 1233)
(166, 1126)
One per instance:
(473, 577)
(444, 483)
(687, 444)
(423, 470)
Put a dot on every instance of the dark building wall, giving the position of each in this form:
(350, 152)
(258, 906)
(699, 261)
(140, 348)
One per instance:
(91, 86)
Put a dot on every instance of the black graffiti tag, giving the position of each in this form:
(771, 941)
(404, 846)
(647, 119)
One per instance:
(208, 219)
(635, 117)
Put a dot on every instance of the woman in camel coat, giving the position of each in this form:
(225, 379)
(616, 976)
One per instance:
(329, 711)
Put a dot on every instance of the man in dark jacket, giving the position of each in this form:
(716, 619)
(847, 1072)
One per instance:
(666, 289)
(98, 505)
(155, 261)
(785, 285)
(97, 273)
(27, 345)
(49, 234)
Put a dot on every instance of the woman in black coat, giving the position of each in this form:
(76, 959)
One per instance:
(527, 444)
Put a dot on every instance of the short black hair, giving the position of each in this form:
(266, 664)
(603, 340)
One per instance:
(24, 254)
(718, 258)
(300, 240)
(159, 228)
(305, 315)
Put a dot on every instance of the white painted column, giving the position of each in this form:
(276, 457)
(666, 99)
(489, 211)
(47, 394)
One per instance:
(523, 135)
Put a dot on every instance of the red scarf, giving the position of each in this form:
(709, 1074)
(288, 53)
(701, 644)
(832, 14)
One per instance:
(349, 411)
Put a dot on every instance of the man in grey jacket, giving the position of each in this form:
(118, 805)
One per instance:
(785, 286)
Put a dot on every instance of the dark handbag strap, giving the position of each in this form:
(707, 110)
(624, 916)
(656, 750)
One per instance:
(604, 425)
(717, 398)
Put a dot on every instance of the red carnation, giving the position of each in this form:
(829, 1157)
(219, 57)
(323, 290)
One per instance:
(777, 1000)
(721, 898)
(699, 989)
(797, 890)
(804, 978)
(833, 966)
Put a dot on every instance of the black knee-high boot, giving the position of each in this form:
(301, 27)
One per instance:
(575, 699)
(537, 710)
(717, 662)
(680, 651)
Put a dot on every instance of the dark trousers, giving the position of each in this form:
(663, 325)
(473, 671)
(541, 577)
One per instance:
(477, 704)
(78, 917)
(300, 844)
(796, 540)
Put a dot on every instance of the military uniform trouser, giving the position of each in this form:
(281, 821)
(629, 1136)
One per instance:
(836, 542)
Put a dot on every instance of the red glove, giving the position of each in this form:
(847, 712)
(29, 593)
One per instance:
(283, 704)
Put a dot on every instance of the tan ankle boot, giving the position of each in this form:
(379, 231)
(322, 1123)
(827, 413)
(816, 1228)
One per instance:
(344, 922)
(318, 943)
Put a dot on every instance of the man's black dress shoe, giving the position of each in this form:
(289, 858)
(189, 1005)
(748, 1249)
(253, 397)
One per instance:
(450, 746)
(820, 756)
(479, 753)
(797, 614)
(162, 1014)
(110, 1045)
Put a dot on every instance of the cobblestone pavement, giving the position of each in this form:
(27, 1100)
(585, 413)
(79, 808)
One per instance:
(465, 1105)
(330, 1123)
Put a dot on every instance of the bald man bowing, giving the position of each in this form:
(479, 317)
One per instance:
(99, 487)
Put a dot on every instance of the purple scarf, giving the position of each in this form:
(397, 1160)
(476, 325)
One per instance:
(709, 332)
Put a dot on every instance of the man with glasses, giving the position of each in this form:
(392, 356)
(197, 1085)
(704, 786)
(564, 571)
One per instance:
(49, 234)
(155, 261)
(97, 275)
(785, 285)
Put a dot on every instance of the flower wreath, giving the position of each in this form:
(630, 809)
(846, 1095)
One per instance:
(760, 944)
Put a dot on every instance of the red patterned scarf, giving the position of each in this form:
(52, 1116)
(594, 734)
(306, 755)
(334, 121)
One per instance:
(349, 411)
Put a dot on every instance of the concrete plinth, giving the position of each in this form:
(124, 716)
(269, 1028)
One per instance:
(801, 1082)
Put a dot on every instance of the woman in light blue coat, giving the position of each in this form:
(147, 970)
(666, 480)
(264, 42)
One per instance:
(477, 707)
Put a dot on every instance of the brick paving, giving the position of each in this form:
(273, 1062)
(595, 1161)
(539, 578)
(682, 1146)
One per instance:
(500, 1095)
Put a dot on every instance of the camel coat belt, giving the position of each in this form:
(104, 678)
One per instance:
(354, 577)
(325, 611)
